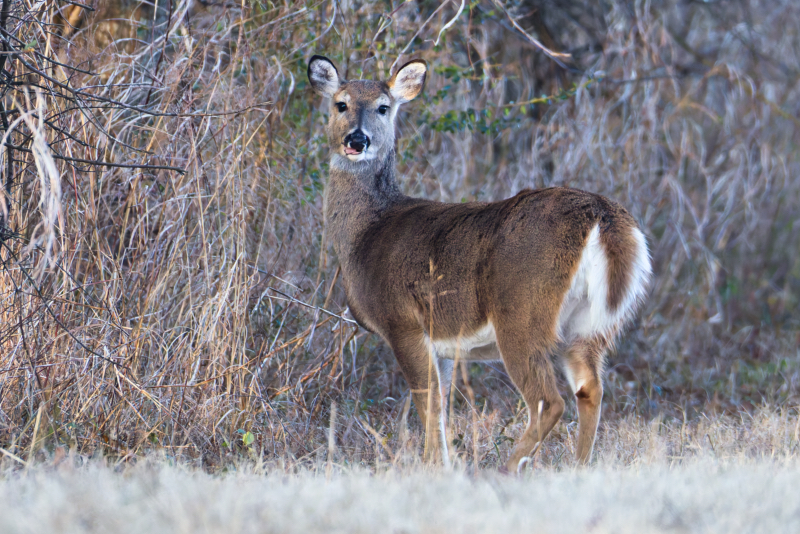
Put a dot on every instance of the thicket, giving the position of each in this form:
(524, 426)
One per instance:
(165, 283)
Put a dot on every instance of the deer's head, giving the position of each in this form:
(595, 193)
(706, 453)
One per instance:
(362, 112)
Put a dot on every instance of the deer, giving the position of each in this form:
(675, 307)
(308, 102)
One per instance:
(517, 280)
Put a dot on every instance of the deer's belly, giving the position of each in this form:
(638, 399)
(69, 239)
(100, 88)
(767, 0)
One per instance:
(480, 345)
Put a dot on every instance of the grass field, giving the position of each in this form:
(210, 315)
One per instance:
(188, 326)
(723, 476)
(702, 497)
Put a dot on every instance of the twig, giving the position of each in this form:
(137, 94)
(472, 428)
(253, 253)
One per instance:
(320, 36)
(378, 438)
(410, 42)
(53, 314)
(450, 23)
(105, 163)
(78, 4)
(316, 308)
(9, 181)
(14, 457)
(555, 56)
(163, 49)
(331, 442)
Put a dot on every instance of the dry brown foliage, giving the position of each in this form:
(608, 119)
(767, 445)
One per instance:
(197, 313)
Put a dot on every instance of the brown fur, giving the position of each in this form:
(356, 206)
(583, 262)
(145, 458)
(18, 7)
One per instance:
(509, 263)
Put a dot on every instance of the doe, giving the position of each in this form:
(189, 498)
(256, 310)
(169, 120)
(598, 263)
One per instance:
(511, 280)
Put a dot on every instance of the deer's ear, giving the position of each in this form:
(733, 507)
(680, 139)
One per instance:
(407, 83)
(323, 75)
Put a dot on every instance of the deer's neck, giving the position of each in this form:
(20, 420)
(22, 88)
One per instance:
(357, 194)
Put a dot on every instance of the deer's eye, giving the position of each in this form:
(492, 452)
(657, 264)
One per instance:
(341, 106)
(383, 109)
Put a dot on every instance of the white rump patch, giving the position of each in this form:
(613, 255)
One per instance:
(584, 311)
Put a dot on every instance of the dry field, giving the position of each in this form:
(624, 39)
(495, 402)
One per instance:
(727, 475)
(704, 497)
(166, 290)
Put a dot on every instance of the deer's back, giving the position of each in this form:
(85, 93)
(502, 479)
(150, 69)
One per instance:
(470, 259)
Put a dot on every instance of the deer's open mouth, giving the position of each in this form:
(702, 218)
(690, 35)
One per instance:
(355, 144)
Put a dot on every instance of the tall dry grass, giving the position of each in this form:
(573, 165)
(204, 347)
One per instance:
(198, 313)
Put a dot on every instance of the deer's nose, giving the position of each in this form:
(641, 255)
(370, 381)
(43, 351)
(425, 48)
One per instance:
(357, 140)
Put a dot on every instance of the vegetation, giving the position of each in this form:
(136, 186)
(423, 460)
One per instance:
(166, 286)
(725, 475)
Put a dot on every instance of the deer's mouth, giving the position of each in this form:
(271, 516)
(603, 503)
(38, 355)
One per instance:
(355, 144)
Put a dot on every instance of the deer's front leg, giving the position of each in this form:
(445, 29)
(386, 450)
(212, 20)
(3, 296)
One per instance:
(429, 381)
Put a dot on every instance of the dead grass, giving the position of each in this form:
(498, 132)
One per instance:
(198, 314)
(707, 498)
(728, 476)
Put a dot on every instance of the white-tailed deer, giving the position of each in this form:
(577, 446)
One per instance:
(511, 280)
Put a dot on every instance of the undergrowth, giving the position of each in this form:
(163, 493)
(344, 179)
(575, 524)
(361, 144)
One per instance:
(197, 312)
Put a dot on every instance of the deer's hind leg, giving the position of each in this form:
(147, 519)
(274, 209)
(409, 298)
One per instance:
(583, 365)
(531, 370)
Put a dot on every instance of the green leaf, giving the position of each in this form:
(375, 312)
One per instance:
(248, 438)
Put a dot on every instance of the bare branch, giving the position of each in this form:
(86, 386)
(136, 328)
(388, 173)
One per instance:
(558, 57)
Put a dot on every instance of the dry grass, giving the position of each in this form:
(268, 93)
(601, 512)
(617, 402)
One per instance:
(726, 476)
(706, 498)
(184, 313)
